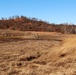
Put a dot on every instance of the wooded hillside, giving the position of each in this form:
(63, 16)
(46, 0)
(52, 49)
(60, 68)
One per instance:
(23, 23)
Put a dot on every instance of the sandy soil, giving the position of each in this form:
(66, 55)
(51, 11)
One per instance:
(37, 53)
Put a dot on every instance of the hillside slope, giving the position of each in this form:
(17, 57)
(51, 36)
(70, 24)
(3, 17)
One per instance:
(32, 24)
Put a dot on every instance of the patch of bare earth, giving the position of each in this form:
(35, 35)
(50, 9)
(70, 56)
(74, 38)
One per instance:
(37, 53)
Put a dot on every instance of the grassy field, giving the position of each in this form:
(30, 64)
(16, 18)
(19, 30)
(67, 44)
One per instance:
(37, 53)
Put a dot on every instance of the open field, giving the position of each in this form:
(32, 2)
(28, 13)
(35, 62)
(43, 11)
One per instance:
(37, 53)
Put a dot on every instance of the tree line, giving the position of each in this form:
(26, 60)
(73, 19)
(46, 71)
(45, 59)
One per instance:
(23, 23)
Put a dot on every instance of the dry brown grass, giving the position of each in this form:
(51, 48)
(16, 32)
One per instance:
(37, 53)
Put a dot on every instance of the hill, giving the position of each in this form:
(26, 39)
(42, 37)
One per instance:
(23, 23)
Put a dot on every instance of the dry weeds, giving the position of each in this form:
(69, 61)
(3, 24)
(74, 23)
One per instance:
(37, 53)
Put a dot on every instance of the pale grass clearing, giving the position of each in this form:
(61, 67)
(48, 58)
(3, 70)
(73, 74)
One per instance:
(48, 54)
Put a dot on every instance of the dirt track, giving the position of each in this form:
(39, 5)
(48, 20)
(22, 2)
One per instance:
(37, 53)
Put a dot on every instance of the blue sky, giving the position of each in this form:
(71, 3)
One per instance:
(53, 11)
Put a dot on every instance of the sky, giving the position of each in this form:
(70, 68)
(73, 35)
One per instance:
(52, 11)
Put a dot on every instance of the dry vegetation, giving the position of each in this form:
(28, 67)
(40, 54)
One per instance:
(23, 23)
(37, 53)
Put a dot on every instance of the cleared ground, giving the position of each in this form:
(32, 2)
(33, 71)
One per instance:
(37, 53)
